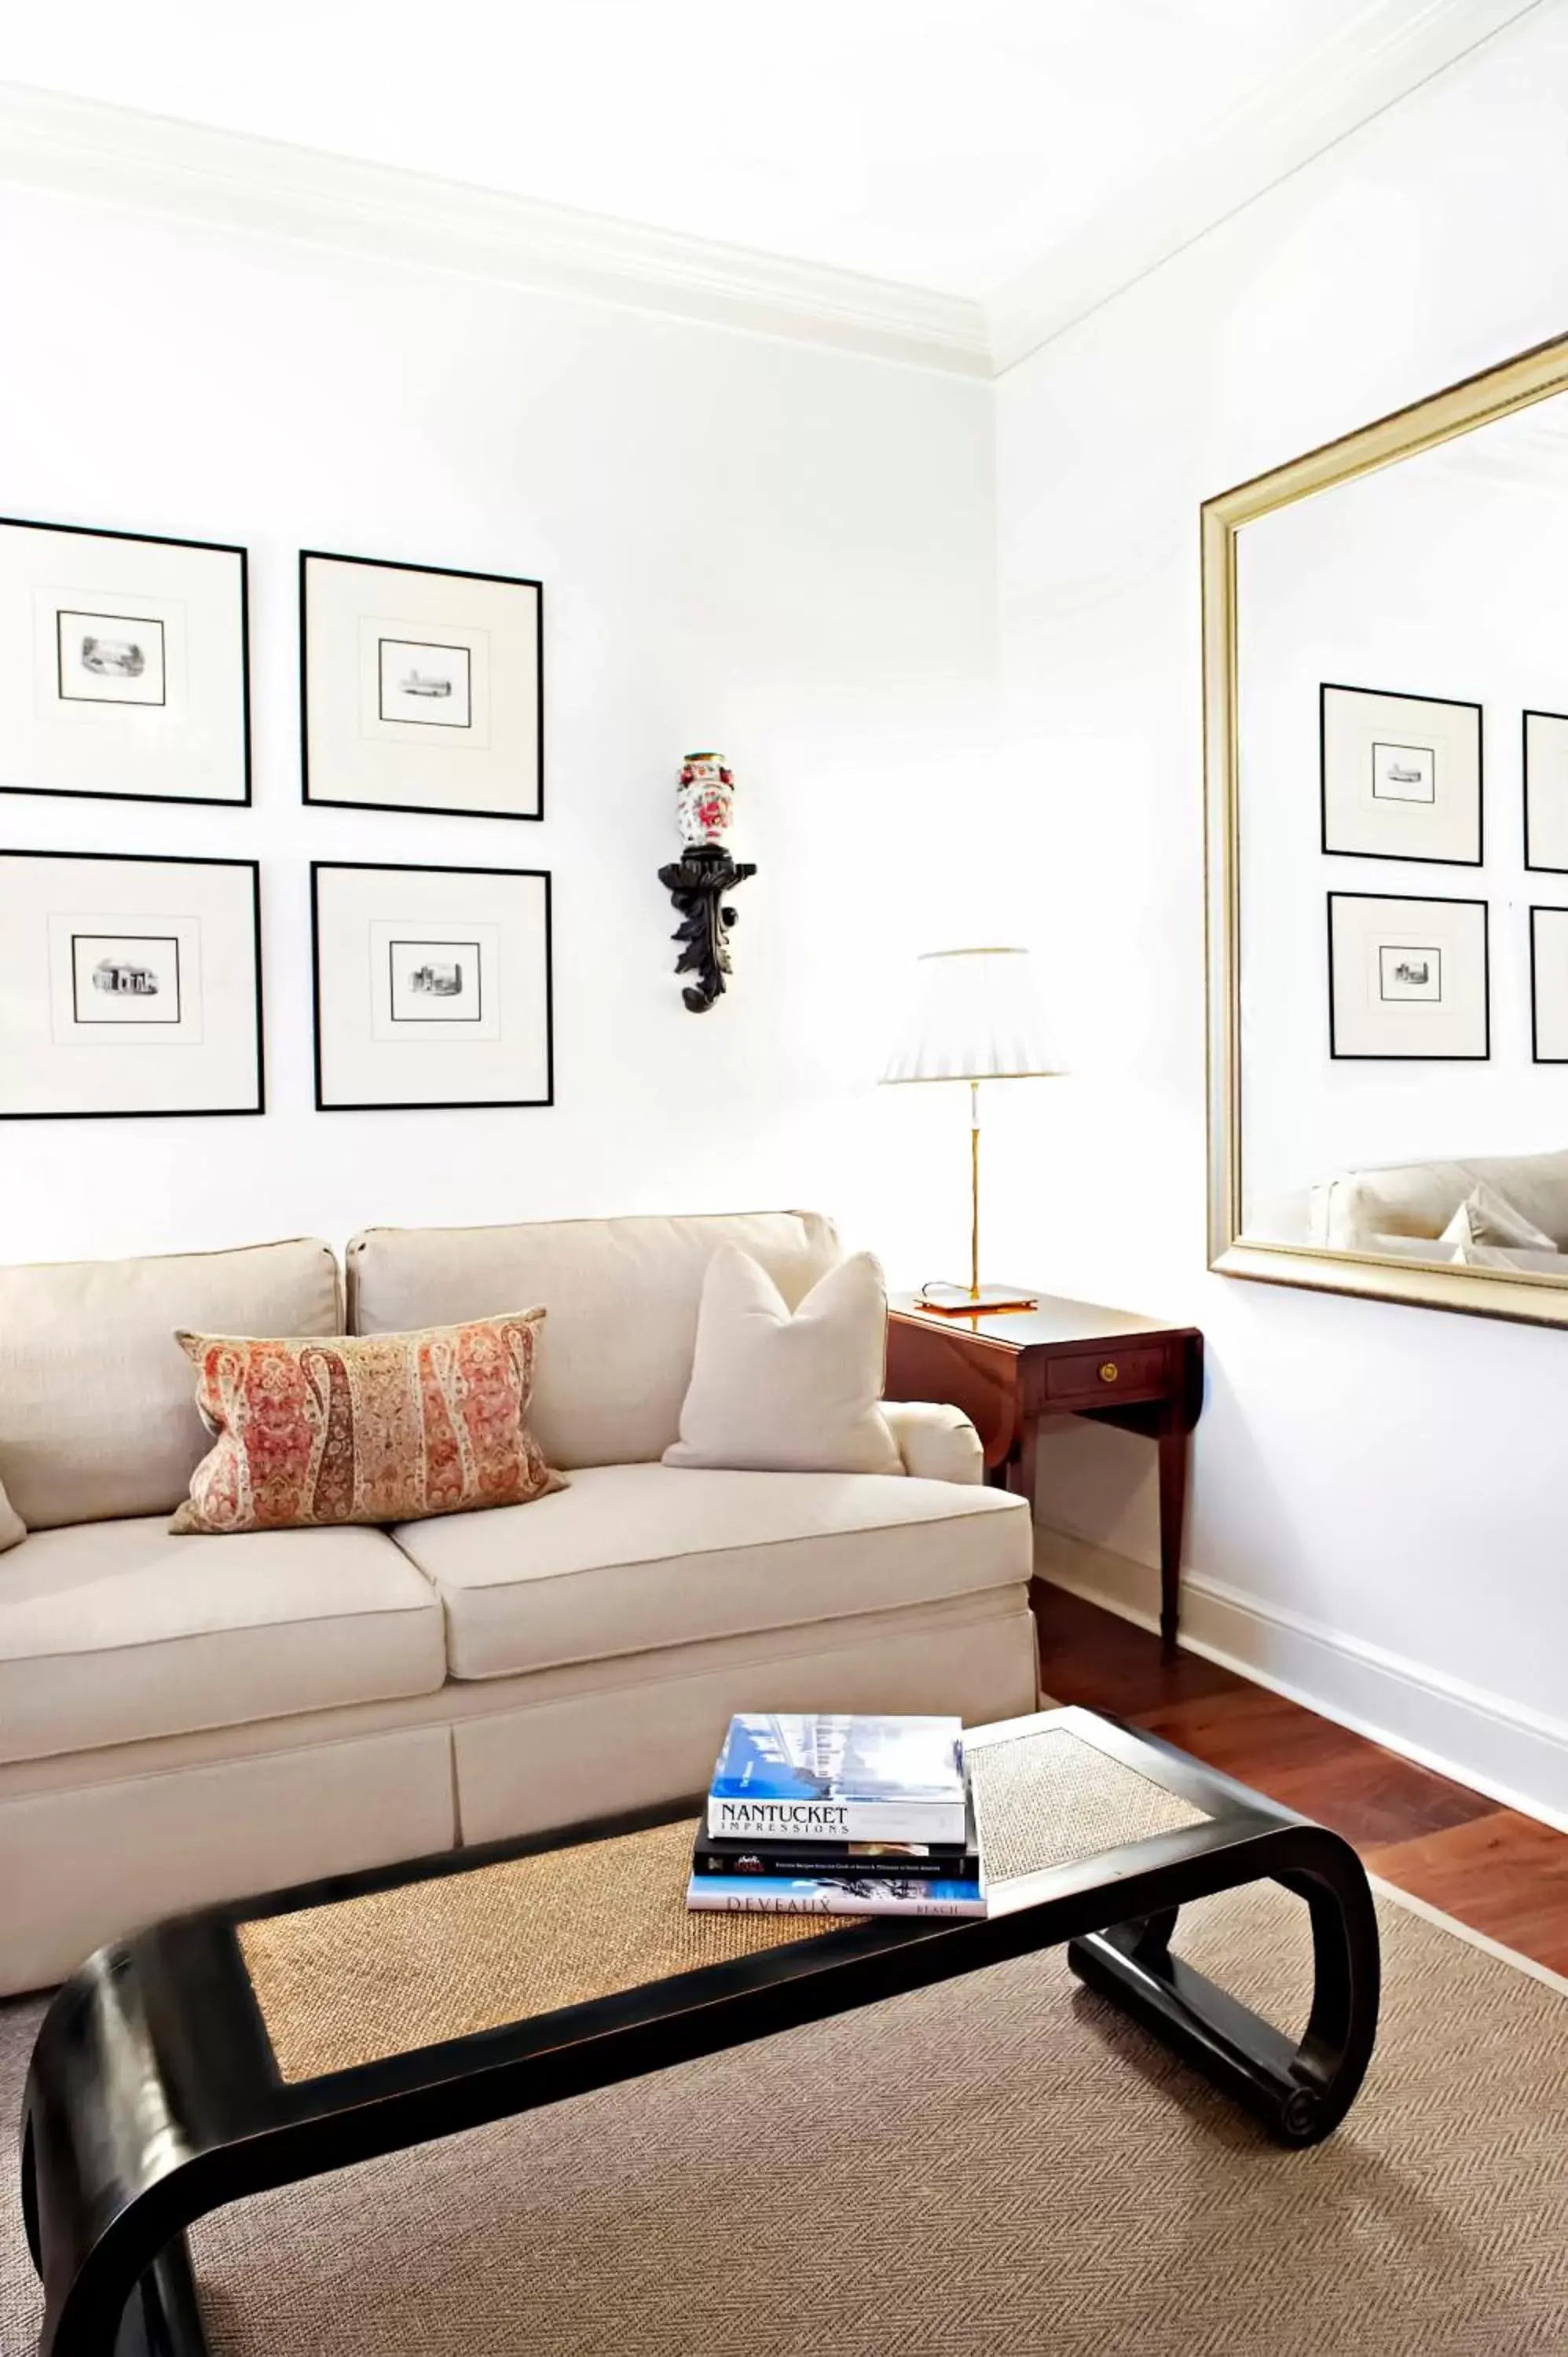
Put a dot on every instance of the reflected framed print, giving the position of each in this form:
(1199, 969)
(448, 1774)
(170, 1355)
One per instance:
(1545, 758)
(129, 986)
(421, 688)
(1408, 978)
(1400, 775)
(1548, 986)
(433, 986)
(124, 671)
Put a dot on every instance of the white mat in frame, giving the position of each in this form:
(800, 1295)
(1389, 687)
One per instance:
(432, 986)
(129, 985)
(1408, 978)
(124, 665)
(420, 687)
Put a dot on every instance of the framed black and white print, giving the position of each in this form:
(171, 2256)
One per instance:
(124, 665)
(421, 688)
(433, 986)
(128, 986)
(1408, 978)
(1548, 986)
(1400, 775)
(1545, 751)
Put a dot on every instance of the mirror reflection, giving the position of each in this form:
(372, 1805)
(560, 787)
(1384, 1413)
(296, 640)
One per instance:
(1402, 858)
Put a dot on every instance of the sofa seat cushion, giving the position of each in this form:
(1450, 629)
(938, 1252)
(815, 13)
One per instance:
(633, 1558)
(111, 1632)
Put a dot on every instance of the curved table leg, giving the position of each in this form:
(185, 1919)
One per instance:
(30, 2192)
(1301, 2092)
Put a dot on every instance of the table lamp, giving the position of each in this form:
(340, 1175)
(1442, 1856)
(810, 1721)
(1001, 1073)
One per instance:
(974, 1018)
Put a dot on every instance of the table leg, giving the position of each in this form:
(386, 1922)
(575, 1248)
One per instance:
(1300, 2089)
(1023, 1467)
(1172, 1446)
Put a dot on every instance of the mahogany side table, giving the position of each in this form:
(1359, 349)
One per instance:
(1008, 1372)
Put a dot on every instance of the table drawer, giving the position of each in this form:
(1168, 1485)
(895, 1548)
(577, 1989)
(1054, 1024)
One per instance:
(1106, 1374)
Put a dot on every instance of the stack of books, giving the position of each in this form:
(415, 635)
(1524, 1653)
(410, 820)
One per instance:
(831, 1815)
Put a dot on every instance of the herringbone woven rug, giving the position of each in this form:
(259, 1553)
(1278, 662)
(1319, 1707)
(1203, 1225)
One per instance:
(995, 2166)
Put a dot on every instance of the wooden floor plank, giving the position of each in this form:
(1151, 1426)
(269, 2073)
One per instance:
(1501, 1873)
(1505, 1874)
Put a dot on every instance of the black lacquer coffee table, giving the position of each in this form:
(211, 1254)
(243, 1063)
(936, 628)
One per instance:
(255, 2045)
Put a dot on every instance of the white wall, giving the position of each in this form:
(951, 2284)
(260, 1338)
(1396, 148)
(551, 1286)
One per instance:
(1378, 1517)
(785, 552)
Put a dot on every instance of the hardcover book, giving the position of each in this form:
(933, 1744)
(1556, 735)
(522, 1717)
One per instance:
(826, 1894)
(800, 1777)
(884, 1861)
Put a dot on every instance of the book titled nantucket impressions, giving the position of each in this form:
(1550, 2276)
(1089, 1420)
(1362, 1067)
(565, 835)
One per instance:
(803, 1778)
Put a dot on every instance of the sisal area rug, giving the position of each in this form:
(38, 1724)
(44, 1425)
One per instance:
(997, 2165)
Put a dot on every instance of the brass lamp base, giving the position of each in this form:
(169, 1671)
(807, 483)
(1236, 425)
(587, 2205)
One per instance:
(975, 1301)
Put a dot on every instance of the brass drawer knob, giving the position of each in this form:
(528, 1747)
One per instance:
(1109, 1371)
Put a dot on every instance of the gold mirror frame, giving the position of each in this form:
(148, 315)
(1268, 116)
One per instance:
(1533, 376)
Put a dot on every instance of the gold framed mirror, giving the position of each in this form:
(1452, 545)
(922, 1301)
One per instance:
(1386, 756)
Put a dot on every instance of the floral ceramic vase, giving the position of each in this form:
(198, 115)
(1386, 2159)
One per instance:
(704, 799)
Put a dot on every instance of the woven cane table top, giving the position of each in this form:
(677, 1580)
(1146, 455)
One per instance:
(1045, 1798)
(356, 1980)
(387, 1973)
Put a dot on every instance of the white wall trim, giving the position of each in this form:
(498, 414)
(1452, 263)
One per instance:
(235, 181)
(231, 180)
(1370, 64)
(1515, 1755)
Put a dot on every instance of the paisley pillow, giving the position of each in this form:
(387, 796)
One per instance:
(364, 1428)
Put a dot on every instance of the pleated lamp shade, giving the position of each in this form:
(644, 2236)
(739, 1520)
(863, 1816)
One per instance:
(975, 1017)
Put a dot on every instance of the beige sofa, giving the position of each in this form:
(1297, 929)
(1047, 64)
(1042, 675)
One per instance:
(184, 1719)
(1401, 1206)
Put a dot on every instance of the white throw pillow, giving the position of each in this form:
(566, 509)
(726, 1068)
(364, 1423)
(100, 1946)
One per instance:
(775, 1393)
(12, 1529)
(1485, 1217)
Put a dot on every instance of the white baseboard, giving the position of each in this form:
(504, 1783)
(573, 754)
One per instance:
(1515, 1755)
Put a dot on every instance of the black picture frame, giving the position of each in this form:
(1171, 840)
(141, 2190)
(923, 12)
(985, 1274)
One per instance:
(319, 867)
(1540, 909)
(1328, 687)
(308, 556)
(1415, 900)
(167, 1113)
(159, 540)
(1535, 866)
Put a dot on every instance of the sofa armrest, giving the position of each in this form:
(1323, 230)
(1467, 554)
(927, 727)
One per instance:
(938, 1443)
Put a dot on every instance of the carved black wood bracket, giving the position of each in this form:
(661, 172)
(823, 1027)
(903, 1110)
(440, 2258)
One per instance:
(697, 882)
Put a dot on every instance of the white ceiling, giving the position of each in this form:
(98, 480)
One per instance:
(944, 143)
(990, 168)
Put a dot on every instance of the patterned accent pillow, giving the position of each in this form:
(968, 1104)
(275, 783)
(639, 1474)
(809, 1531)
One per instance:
(364, 1428)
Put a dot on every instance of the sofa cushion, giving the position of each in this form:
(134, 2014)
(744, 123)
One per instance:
(632, 1557)
(1485, 1217)
(364, 1428)
(12, 1529)
(622, 1297)
(98, 1419)
(781, 1391)
(114, 1631)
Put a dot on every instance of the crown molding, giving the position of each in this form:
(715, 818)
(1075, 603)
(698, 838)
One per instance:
(231, 180)
(1386, 51)
(234, 181)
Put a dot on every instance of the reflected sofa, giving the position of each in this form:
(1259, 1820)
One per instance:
(1405, 1206)
(187, 1719)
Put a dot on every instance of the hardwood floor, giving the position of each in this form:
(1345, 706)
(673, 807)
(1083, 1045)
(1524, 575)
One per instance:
(1500, 1873)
